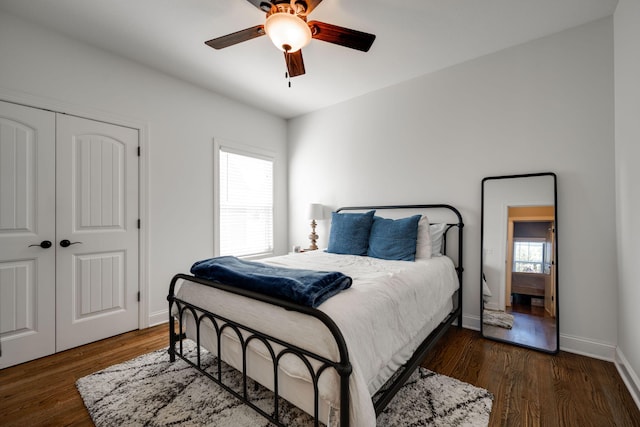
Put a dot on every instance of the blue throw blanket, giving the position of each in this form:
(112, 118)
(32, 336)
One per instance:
(305, 287)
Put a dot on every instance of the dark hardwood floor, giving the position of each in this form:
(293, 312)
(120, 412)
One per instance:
(533, 388)
(43, 392)
(532, 326)
(530, 388)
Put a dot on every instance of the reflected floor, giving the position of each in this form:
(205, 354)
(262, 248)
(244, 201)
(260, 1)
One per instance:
(532, 326)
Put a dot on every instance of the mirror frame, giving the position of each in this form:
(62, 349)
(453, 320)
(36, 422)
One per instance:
(554, 260)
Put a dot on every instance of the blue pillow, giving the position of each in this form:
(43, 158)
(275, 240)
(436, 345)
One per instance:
(394, 239)
(349, 233)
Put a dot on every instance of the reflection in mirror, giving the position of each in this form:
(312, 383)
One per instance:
(519, 260)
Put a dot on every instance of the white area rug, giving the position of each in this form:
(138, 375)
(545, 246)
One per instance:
(151, 391)
(497, 318)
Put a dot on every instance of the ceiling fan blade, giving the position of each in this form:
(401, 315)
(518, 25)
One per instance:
(341, 36)
(237, 37)
(295, 64)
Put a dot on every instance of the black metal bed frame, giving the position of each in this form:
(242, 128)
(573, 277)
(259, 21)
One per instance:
(342, 367)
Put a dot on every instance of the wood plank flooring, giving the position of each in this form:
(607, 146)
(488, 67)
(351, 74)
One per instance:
(532, 326)
(530, 388)
(536, 389)
(43, 392)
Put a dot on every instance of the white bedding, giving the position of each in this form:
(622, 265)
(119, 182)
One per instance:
(390, 308)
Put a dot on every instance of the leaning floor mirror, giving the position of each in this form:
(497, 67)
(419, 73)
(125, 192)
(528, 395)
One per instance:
(519, 269)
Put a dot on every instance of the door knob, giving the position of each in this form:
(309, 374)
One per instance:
(45, 244)
(64, 243)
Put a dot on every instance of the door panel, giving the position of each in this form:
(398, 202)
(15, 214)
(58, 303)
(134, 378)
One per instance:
(100, 178)
(27, 218)
(100, 283)
(97, 212)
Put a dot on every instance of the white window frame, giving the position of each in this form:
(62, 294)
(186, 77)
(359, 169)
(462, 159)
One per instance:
(245, 150)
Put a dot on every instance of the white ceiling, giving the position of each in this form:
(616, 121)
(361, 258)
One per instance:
(414, 37)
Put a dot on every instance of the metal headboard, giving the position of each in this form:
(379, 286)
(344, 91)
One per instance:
(459, 225)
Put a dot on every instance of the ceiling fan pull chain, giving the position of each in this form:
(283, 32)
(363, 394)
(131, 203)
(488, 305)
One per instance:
(287, 60)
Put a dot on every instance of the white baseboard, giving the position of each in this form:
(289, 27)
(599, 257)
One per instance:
(573, 344)
(588, 347)
(158, 317)
(471, 322)
(629, 376)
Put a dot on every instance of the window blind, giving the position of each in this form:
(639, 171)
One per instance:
(528, 256)
(246, 204)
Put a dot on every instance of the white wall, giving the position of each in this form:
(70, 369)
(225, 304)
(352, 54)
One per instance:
(180, 121)
(546, 105)
(627, 147)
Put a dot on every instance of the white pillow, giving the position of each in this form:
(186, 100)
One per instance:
(436, 231)
(423, 243)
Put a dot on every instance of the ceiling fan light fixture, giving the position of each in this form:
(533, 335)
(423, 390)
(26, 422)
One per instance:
(287, 31)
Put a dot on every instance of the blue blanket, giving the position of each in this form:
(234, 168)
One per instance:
(305, 287)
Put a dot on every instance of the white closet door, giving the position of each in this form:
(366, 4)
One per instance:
(27, 219)
(97, 213)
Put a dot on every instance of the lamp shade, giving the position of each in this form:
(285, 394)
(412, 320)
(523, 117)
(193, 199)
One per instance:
(288, 32)
(316, 211)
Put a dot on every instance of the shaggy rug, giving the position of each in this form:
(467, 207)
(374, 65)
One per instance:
(151, 391)
(497, 318)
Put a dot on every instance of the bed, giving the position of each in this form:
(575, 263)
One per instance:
(344, 360)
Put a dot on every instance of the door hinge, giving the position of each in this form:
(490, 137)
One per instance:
(138, 296)
(138, 223)
(138, 151)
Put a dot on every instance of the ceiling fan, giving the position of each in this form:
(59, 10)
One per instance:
(288, 29)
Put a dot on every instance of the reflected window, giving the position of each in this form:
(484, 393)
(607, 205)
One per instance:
(528, 256)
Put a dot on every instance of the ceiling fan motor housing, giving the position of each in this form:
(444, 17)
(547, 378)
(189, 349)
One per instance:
(299, 7)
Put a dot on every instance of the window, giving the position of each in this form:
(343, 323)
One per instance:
(528, 256)
(245, 203)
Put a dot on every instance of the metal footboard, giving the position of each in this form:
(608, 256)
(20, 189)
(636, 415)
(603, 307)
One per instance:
(220, 324)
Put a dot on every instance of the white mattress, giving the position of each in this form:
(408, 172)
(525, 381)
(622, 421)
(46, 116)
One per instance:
(388, 311)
